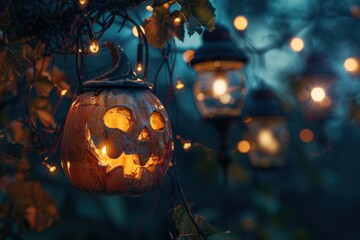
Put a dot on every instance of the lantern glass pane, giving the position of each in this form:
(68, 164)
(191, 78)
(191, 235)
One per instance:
(220, 93)
(268, 137)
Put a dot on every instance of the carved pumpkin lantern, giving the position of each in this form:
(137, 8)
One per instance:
(117, 137)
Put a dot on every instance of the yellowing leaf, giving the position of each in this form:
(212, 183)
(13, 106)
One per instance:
(43, 86)
(161, 26)
(20, 134)
(41, 108)
(32, 203)
(46, 118)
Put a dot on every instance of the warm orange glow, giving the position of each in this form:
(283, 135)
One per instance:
(149, 8)
(355, 11)
(243, 146)
(240, 23)
(157, 121)
(130, 163)
(139, 67)
(83, 2)
(220, 86)
(63, 92)
(135, 31)
(267, 141)
(318, 94)
(94, 46)
(352, 65)
(187, 145)
(200, 97)
(144, 135)
(49, 167)
(306, 135)
(179, 85)
(120, 118)
(177, 20)
(297, 44)
(188, 55)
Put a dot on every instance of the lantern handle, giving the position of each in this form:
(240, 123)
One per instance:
(119, 74)
(120, 67)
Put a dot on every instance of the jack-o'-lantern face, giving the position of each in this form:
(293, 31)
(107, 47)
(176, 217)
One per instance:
(121, 142)
(133, 161)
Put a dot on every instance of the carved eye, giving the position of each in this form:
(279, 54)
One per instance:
(120, 118)
(144, 135)
(157, 121)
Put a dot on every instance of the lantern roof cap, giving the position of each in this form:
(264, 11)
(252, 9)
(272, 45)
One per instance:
(119, 74)
(218, 45)
(317, 64)
(263, 102)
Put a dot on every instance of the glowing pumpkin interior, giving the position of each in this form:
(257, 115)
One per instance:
(122, 118)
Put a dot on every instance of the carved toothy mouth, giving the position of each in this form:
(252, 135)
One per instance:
(129, 162)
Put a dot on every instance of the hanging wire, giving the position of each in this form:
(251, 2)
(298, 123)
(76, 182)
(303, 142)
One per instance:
(201, 234)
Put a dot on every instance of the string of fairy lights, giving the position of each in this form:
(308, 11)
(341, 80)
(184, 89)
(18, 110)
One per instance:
(351, 65)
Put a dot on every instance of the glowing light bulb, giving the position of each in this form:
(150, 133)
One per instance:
(318, 94)
(49, 167)
(135, 31)
(177, 20)
(297, 44)
(240, 23)
(94, 46)
(352, 65)
(306, 135)
(179, 85)
(220, 86)
(243, 146)
(149, 8)
(139, 67)
(187, 145)
(267, 141)
(63, 92)
(83, 2)
(52, 168)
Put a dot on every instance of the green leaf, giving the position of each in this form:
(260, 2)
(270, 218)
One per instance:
(198, 13)
(205, 226)
(185, 227)
(161, 26)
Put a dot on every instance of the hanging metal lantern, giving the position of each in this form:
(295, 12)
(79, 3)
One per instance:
(315, 89)
(266, 134)
(220, 88)
(117, 137)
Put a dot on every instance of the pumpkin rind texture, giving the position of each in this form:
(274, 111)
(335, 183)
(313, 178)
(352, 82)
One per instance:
(116, 141)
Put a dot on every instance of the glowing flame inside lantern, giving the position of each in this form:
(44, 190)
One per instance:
(268, 142)
(220, 87)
